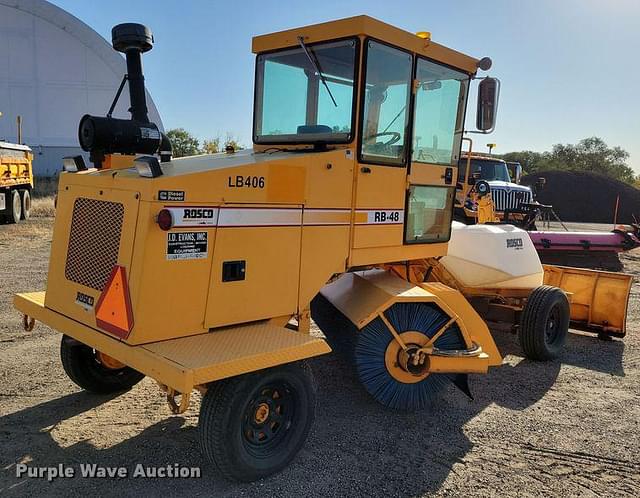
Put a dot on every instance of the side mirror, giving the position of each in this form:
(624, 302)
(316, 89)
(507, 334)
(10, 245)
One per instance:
(488, 94)
(540, 183)
(474, 177)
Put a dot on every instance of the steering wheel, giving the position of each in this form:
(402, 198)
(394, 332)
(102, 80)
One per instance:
(395, 136)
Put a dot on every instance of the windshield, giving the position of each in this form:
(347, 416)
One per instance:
(489, 170)
(292, 102)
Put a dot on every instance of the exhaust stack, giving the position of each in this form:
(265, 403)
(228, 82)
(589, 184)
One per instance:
(107, 135)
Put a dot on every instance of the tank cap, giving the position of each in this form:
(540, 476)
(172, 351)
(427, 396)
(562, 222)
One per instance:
(131, 36)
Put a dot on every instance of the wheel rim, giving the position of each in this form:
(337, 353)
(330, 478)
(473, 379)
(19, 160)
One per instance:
(552, 327)
(108, 362)
(268, 417)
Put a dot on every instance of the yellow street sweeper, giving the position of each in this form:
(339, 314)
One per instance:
(199, 272)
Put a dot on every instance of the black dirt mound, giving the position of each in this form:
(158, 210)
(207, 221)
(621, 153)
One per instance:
(587, 197)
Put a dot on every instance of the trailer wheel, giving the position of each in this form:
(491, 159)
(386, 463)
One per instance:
(544, 323)
(253, 425)
(14, 207)
(25, 197)
(94, 372)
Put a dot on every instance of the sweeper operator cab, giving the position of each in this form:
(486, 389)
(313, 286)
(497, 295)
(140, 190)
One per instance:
(200, 272)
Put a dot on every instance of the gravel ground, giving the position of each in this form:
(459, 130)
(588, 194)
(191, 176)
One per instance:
(568, 427)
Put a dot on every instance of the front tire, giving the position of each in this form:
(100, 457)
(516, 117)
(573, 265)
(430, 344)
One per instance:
(83, 366)
(253, 425)
(544, 323)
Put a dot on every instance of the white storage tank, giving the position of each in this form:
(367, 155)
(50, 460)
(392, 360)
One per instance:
(493, 256)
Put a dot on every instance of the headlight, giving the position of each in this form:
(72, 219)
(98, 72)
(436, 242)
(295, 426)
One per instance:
(73, 164)
(148, 166)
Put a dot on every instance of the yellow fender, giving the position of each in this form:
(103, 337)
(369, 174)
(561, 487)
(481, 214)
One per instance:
(363, 296)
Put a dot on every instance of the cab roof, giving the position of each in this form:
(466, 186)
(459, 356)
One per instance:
(365, 26)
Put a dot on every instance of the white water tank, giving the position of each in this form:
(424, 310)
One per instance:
(493, 256)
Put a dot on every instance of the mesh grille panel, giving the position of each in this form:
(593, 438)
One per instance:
(94, 241)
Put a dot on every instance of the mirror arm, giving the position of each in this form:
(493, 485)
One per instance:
(479, 132)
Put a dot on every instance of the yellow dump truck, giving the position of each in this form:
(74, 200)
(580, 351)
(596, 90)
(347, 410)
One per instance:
(200, 271)
(16, 182)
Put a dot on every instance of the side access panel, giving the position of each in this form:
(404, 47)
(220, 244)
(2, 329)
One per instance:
(256, 264)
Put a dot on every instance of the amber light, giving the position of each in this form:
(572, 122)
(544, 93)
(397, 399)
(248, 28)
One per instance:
(165, 219)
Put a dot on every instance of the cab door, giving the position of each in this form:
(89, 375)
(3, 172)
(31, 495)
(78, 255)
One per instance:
(383, 148)
(439, 104)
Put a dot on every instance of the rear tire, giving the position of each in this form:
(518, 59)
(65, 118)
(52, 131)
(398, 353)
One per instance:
(544, 323)
(83, 368)
(253, 425)
(14, 207)
(25, 197)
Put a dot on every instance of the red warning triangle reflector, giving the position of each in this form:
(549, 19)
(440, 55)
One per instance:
(113, 311)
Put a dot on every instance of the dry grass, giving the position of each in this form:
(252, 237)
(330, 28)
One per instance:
(42, 207)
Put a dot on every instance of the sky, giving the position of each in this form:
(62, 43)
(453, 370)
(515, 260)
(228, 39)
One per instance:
(568, 68)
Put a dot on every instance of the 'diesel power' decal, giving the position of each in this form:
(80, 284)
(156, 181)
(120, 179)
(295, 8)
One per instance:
(171, 195)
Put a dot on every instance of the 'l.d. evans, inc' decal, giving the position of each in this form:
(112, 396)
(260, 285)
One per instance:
(186, 245)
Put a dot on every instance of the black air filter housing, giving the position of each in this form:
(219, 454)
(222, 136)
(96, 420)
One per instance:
(130, 36)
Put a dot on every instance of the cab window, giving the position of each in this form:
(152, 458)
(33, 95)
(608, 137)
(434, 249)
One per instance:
(296, 103)
(387, 92)
(429, 214)
(439, 113)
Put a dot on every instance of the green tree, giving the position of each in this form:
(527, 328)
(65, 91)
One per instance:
(211, 145)
(183, 143)
(590, 154)
(593, 155)
(528, 159)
